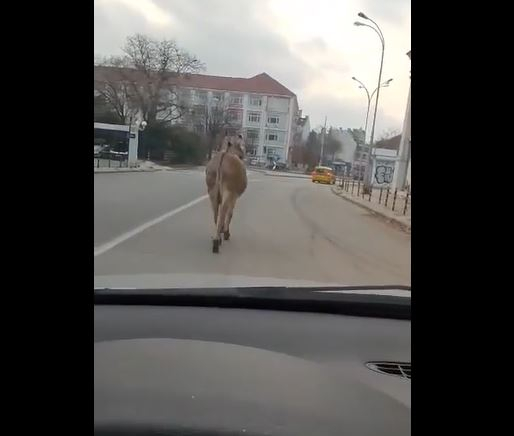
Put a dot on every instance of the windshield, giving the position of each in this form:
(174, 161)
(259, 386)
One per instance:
(212, 121)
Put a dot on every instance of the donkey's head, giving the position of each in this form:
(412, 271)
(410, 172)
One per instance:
(234, 145)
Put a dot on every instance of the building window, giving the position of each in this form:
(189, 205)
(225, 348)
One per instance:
(254, 117)
(236, 99)
(202, 96)
(184, 95)
(217, 96)
(273, 120)
(252, 135)
(255, 101)
(272, 137)
(234, 116)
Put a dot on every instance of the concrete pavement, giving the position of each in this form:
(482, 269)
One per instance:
(284, 228)
(397, 218)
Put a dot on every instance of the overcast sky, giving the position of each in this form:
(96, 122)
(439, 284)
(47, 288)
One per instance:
(310, 46)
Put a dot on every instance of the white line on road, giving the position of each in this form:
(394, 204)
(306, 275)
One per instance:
(131, 233)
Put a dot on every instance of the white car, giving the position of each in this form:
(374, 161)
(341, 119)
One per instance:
(98, 149)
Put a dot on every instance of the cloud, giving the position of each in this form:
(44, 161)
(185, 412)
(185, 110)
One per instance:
(313, 45)
(395, 12)
(347, 113)
(148, 9)
(312, 52)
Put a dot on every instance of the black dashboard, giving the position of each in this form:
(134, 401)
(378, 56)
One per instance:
(193, 370)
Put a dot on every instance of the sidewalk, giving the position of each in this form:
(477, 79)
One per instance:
(376, 205)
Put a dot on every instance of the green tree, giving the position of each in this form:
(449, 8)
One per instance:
(313, 148)
(181, 145)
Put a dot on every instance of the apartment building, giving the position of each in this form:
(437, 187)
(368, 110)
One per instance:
(260, 108)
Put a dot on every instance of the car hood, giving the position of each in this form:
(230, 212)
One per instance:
(161, 281)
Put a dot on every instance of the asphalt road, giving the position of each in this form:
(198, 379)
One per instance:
(160, 224)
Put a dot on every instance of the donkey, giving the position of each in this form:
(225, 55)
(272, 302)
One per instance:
(225, 176)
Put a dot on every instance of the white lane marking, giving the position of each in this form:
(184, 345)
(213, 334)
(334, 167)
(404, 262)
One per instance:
(131, 233)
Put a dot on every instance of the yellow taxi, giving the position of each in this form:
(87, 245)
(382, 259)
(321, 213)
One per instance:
(323, 175)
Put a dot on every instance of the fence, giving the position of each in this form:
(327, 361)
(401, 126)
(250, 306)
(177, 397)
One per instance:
(394, 199)
(110, 163)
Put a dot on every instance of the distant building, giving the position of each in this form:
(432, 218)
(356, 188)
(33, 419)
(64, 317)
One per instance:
(383, 165)
(259, 107)
(361, 154)
(392, 143)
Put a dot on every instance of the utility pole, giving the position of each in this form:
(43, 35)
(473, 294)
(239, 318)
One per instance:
(322, 142)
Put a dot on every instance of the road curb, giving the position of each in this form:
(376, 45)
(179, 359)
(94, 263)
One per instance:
(403, 226)
(299, 176)
(273, 174)
(260, 170)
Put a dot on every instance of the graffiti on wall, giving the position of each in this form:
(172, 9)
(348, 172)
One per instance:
(384, 172)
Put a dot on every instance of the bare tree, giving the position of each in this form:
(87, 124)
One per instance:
(146, 77)
(215, 119)
(117, 95)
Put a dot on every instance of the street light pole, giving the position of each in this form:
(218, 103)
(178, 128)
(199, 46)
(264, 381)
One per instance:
(367, 181)
(367, 110)
(383, 85)
(370, 97)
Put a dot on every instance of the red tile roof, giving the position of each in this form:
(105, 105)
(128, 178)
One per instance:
(261, 83)
(392, 143)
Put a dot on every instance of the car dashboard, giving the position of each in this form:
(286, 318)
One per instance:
(185, 369)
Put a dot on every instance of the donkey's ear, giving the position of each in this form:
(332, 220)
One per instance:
(226, 132)
(240, 136)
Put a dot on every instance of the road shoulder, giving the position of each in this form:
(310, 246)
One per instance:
(401, 222)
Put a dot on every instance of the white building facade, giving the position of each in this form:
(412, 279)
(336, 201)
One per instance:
(265, 114)
(383, 167)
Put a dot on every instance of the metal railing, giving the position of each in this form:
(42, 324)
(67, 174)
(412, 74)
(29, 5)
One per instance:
(110, 163)
(397, 201)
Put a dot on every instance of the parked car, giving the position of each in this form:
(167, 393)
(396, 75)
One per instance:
(98, 150)
(109, 153)
(323, 175)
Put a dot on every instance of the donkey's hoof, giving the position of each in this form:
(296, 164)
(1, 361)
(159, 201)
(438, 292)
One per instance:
(216, 245)
(226, 235)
